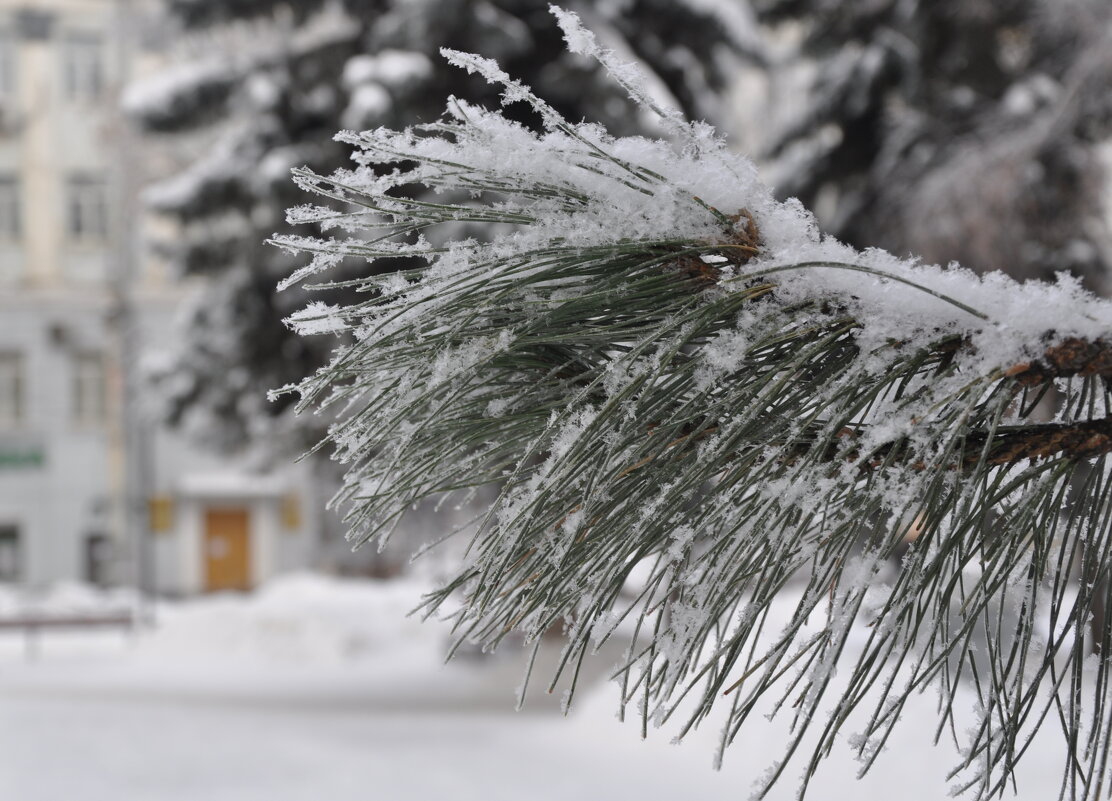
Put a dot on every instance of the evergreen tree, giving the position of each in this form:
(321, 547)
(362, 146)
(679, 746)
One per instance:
(659, 364)
(270, 84)
(963, 130)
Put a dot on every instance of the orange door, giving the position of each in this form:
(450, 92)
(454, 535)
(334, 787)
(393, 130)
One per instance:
(227, 550)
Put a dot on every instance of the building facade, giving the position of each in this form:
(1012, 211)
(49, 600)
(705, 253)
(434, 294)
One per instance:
(88, 490)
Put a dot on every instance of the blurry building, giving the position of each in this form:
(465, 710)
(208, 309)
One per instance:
(88, 490)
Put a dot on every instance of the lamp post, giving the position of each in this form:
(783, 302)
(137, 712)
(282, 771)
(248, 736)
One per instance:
(138, 462)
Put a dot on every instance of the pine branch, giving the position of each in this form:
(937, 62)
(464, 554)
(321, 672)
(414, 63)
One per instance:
(1008, 445)
(660, 367)
(1070, 357)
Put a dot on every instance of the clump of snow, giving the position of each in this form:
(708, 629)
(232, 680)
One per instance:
(222, 160)
(160, 93)
(317, 318)
(65, 599)
(387, 67)
(372, 80)
(296, 618)
(368, 100)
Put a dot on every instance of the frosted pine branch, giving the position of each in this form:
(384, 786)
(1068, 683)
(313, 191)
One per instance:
(658, 366)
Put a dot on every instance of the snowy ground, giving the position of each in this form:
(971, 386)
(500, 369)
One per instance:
(316, 688)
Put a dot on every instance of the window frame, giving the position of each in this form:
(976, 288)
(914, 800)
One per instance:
(83, 65)
(87, 207)
(88, 389)
(13, 388)
(9, 63)
(11, 206)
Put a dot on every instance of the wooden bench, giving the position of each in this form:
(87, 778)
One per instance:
(34, 623)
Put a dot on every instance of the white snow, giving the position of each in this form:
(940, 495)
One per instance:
(221, 161)
(368, 101)
(159, 92)
(892, 298)
(387, 67)
(322, 688)
(317, 318)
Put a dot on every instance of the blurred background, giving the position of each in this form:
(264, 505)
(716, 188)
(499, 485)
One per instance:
(180, 615)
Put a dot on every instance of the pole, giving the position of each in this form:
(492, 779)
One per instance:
(138, 461)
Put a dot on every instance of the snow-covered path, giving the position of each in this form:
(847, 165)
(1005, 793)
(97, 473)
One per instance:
(112, 750)
(317, 689)
(73, 745)
(102, 730)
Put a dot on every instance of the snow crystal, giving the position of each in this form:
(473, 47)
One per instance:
(649, 95)
(458, 361)
(578, 38)
(681, 540)
(514, 91)
(317, 318)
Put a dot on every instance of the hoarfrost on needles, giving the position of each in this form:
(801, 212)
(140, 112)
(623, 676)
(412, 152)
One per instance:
(661, 365)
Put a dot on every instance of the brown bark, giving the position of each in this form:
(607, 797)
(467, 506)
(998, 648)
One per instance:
(1081, 440)
(1071, 357)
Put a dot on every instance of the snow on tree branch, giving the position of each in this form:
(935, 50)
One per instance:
(658, 366)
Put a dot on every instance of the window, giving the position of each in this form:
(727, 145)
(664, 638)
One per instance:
(87, 212)
(90, 386)
(11, 388)
(7, 64)
(10, 557)
(34, 25)
(82, 66)
(10, 222)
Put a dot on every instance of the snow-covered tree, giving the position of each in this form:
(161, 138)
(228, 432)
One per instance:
(966, 130)
(270, 81)
(664, 369)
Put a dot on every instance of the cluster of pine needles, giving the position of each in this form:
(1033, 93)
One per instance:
(656, 407)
